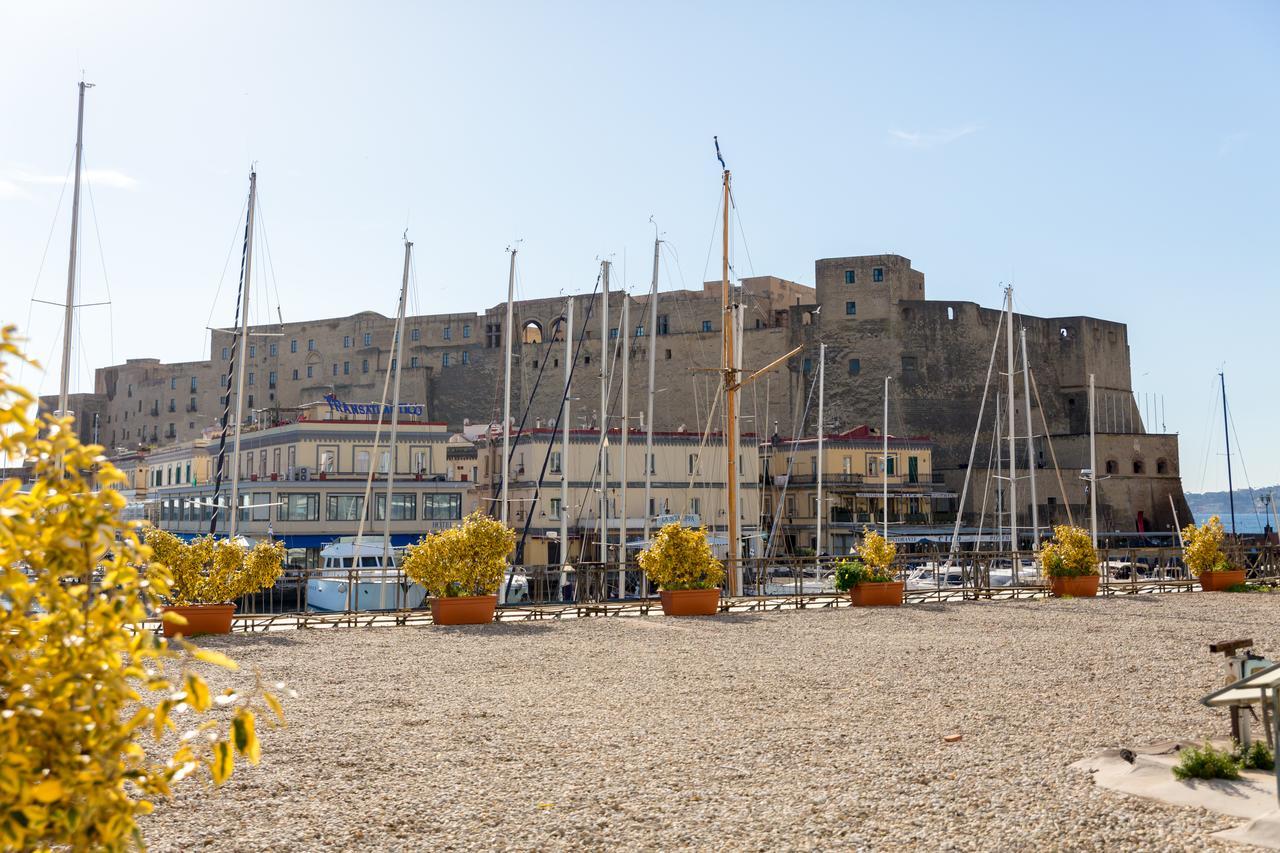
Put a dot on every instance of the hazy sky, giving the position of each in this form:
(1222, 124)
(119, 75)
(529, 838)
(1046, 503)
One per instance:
(1116, 159)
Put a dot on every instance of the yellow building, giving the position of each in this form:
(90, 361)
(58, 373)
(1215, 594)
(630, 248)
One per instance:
(686, 475)
(854, 474)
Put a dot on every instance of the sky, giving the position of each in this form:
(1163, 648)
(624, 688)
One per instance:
(1109, 159)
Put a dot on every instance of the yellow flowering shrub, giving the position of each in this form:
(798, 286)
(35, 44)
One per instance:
(214, 571)
(470, 559)
(82, 685)
(877, 554)
(1202, 547)
(1069, 554)
(680, 558)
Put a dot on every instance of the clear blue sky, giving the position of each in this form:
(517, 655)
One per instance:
(1113, 159)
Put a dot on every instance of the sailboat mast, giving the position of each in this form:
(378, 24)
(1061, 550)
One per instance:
(564, 440)
(1093, 467)
(397, 361)
(234, 506)
(730, 407)
(624, 341)
(648, 423)
(822, 428)
(506, 384)
(1031, 444)
(1013, 428)
(1226, 431)
(69, 315)
(884, 470)
(603, 420)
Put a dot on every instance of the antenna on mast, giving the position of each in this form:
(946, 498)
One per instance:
(718, 156)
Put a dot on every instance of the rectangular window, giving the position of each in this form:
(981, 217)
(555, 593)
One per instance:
(311, 345)
(640, 331)
(393, 365)
(466, 330)
(444, 360)
(908, 363)
(364, 365)
(346, 368)
(663, 325)
(855, 366)
(413, 361)
(808, 365)
(335, 368)
(466, 358)
(193, 385)
(293, 345)
(421, 460)
(368, 339)
(250, 379)
(848, 277)
(226, 356)
(877, 274)
(271, 379)
(344, 507)
(261, 509)
(448, 333)
(253, 350)
(695, 506)
(554, 513)
(303, 507)
(327, 459)
(275, 350)
(613, 333)
(415, 334)
(403, 507)
(555, 462)
(346, 342)
(889, 466)
(693, 463)
(295, 373)
(447, 507)
(706, 325)
(309, 373)
(851, 308)
(668, 355)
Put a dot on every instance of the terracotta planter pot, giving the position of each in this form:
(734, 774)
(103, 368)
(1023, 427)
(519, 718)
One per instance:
(877, 594)
(201, 619)
(690, 602)
(463, 609)
(1081, 587)
(1219, 581)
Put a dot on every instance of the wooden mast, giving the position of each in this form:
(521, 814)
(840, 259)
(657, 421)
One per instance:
(733, 567)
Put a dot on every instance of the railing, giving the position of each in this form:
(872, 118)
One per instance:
(587, 589)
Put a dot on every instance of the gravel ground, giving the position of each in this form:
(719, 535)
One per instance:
(810, 729)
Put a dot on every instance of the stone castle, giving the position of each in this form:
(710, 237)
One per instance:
(871, 311)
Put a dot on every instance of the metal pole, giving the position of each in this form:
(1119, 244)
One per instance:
(398, 343)
(506, 384)
(244, 359)
(564, 440)
(69, 315)
(1013, 459)
(648, 424)
(603, 422)
(1231, 493)
(822, 376)
(624, 327)
(1093, 467)
(884, 469)
(1031, 446)
(734, 566)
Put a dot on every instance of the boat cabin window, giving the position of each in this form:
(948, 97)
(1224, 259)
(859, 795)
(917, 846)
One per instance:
(369, 562)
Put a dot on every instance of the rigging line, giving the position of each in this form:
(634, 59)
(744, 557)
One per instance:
(237, 351)
(102, 259)
(266, 242)
(1244, 466)
(53, 224)
(715, 224)
(1210, 435)
(706, 433)
(733, 201)
(366, 509)
(1057, 470)
(226, 263)
(798, 423)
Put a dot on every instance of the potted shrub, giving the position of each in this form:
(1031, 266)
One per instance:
(688, 576)
(1202, 551)
(208, 575)
(462, 568)
(868, 577)
(1070, 563)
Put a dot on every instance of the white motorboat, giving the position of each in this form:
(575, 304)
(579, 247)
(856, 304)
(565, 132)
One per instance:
(352, 577)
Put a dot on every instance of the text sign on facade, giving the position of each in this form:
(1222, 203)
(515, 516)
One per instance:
(336, 405)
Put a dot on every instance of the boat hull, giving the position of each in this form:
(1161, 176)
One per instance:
(335, 595)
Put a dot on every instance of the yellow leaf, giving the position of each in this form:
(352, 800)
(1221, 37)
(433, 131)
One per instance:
(216, 658)
(275, 705)
(48, 791)
(246, 737)
(223, 762)
(174, 617)
(198, 693)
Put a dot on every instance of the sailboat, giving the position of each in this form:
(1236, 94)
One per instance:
(359, 573)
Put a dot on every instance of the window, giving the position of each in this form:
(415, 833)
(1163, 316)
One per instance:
(808, 365)
(193, 385)
(653, 463)
(851, 308)
(855, 366)
(251, 378)
(346, 342)
(335, 368)
(304, 507)
(271, 379)
(555, 462)
(877, 274)
(344, 507)
(1113, 467)
(889, 466)
(706, 325)
(364, 365)
(295, 373)
(368, 339)
(226, 356)
(293, 345)
(493, 335)
(613, 333)
(415, 334)
(1138, 467)
(309, 371)
(555, 509)
(873, 466)
(253, 350)
(664, 326)
(668, 355)
(908, 364)
(274, 350)
(849, 277)
(640, 331)
(693, 463)
(466, 330)
(362, 461)
(447, 507)
(1162, 466)
(403, 507)
(261, 508)
(346, 368)
(422, 460)
(466, 358)
(444, 360)
(695, 506)
(393, 366)
(448, 333)
(311, 345)
(328, 459)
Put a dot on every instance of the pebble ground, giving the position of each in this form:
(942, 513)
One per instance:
(798, 730)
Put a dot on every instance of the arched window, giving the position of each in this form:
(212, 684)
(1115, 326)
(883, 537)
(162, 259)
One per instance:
(558, 329)
(1138, 467)
(531, 333)
(1113, 467)
(1162, 466)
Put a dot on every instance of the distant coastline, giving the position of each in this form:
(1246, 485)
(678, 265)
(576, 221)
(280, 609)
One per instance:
(1251, 511)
